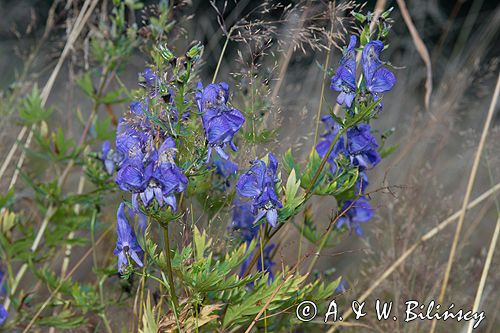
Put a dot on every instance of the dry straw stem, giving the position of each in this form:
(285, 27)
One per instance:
(80, 22)
(484, 274)
(468, 192)
(430, 234)
(421, 48)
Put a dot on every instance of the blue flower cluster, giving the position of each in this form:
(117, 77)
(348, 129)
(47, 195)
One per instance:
(144, 161)
(259, 184)
(377, 78)
(359, 146)
(220, 121)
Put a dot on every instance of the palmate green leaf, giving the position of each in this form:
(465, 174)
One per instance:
(342, 183)
(246, 305)
(310, 170)
(32, 111)
(104, 129)
(201, 243)
(85, 83)
(293, 201)
(204, 275)
(325, 290)
(65, 319)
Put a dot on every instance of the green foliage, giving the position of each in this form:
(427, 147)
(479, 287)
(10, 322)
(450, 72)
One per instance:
(32, 110)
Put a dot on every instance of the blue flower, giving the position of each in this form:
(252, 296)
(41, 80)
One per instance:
(358, 211)
(378, 78)
(3, 315)
(362, 147)
(225, 169)
(322, 147)
(344, 79)
(259, 184)
(243, 221)
(126, 244)
(268, 262)
(220, 121)
(342, 287)
(152, 82)
(3, 290)
(111, 159)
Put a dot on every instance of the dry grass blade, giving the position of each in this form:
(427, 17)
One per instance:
(470, 185)
(422, 50)
(484, 274)
(430, 234)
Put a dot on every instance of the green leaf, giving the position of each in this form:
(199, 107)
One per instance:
(85, 83)
(201, 243)
(365, 35)
(32, 110)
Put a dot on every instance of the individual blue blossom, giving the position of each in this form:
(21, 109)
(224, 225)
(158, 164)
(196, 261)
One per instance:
(342, 287)
(259, 184)
(267, 259)
(243, 221)
(322, 147)
(378, 78)
(354, 213)
(362, 147)
(344, 79)
(3, 315)
(220, 121)
(225, 169)
(110, 158)
(126, 244)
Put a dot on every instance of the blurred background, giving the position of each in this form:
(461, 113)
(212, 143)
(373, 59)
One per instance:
(280, 47)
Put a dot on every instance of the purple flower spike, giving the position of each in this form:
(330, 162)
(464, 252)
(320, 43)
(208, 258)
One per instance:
(220, 121)
(344, 79)
(259, 184)
(360, 211)
(126, 244)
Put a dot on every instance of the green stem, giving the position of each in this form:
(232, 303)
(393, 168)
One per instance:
(170, 276)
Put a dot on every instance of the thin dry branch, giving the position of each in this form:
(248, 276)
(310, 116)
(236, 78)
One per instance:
(421, 48)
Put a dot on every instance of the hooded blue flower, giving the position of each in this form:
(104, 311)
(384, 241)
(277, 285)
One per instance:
(220, 121)
(162, 178)
(360, 211)
(322, 147)
(126, 244)
(243, 221)
(259, 184)
(268, 262)
(378, 78)
(344, 79)
(362, 147)
(3, 315)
